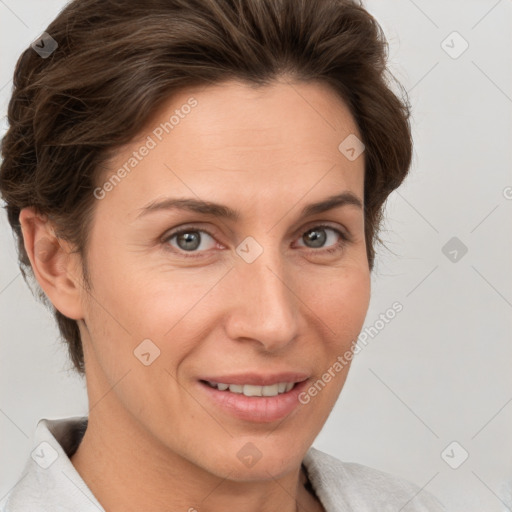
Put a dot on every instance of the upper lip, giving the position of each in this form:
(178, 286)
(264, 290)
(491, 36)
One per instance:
(258, 379)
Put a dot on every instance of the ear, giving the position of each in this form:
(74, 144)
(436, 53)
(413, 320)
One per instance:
(56, 269)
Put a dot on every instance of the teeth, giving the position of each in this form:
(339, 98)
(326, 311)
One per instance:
(250, 390)
(235, 388)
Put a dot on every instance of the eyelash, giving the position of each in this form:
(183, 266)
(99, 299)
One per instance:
(345, 239)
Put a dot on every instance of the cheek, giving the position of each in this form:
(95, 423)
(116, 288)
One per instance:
(340, 299)
(114, 319)
(172, 308)
(162, 303)
(135, 299)
(341, 307)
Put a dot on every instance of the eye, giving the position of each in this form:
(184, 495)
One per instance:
(189, 240)
(317, 237)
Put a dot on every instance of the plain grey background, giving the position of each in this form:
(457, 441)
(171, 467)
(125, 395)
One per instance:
(434, 384)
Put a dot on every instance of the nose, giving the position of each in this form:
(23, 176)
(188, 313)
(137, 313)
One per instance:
(263, 305)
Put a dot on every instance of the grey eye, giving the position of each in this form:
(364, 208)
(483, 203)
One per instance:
(317, 236)
(189, 240)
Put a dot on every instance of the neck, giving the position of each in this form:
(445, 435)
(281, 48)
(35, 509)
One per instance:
(128, 469)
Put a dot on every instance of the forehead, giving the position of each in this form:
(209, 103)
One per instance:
(233, 137)
(262, 118)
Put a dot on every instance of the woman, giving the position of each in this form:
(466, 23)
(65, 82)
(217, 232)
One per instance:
(197, 188)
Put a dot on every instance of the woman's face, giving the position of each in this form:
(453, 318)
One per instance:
(275, 289)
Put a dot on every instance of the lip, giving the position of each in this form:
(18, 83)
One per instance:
(258, 379)
(254, 408)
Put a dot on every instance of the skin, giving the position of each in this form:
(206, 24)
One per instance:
(266, 153)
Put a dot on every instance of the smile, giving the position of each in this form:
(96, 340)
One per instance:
(254, 402)
(251, 390)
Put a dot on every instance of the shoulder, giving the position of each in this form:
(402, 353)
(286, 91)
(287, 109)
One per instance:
(351, 486)
(49, 481)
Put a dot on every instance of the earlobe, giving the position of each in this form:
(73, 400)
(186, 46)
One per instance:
(52, 263)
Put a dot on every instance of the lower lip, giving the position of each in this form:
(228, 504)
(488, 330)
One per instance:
(259, 409)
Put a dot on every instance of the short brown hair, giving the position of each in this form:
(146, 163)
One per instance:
(118, 60)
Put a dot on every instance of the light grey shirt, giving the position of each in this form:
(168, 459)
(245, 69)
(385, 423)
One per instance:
(50, 482)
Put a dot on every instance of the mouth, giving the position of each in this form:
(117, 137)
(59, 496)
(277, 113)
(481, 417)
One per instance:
(252, 390)
(251, 402)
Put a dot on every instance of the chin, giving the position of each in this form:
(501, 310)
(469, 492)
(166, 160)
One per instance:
(258, 460)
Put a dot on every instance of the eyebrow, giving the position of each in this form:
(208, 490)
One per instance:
(225, 212)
